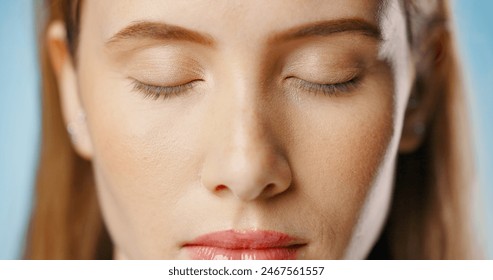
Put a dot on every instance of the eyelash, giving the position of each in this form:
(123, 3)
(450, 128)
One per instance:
(325, 89)
(156, 92)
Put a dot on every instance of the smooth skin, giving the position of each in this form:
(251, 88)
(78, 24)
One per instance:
(239, 122)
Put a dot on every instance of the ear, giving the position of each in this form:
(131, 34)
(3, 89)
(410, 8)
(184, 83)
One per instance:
(428, 86)
(72, 110)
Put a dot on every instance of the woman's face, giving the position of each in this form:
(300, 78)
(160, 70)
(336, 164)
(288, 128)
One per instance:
(243, 129)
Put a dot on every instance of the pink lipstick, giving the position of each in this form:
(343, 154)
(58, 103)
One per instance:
(244, 245)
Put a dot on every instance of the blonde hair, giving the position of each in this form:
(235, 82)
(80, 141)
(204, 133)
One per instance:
(428, 219)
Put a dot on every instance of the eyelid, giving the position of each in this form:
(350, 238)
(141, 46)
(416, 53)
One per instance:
(325, 88)
(163, 91)
(324, 75)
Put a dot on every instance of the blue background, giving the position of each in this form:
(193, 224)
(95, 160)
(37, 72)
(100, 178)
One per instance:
(20, 112)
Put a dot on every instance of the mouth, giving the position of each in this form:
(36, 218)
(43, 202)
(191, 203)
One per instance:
(244, 245)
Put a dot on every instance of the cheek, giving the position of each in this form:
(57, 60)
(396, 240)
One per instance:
(338, 150)
(141, 178)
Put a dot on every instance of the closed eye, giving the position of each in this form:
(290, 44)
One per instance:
(330, 89)
(155, 91)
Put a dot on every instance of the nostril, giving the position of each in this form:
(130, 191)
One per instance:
(269, 189)
(220, 188)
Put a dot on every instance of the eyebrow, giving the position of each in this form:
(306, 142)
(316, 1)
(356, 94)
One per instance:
(159, 31)
(165, 32)
(329, 27)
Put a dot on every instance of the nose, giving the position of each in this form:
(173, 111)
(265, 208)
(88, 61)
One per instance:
(243, 156)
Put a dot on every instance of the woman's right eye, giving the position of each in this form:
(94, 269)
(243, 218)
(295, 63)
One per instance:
(155, 91)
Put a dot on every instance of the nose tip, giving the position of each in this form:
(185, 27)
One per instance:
(248, 176)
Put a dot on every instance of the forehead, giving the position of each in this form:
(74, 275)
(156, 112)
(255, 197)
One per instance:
(226, 19)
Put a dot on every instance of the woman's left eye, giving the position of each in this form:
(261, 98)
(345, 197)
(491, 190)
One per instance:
(155, 91)
(325, 89)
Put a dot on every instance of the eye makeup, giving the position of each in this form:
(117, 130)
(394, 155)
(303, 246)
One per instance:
(162, 75)
(334, 89)
(155, 92)
(314, 70)
(324, 78)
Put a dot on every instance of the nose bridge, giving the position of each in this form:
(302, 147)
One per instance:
(244, 122)
(236, 110)
(250, 146)
(248, 129)
(243, 156)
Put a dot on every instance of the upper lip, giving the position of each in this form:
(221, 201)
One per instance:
(251, 239)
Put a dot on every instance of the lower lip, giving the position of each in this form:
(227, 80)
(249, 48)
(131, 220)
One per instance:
(250, 245)
(216, 253)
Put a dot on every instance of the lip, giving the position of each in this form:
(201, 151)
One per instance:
(244, 245)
